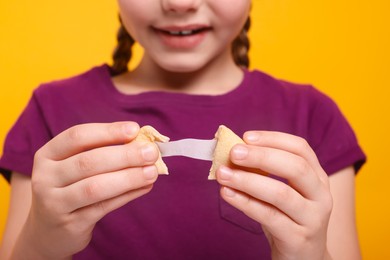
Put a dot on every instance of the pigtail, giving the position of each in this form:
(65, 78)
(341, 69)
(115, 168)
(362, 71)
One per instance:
(122, 53)
(240, 46)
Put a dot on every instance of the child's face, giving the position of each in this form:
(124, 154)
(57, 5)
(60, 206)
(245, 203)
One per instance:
(184, 35)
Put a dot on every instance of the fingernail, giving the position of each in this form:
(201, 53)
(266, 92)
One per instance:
(251, 137)
(225, 173)
(150, 172)
(229, 192)
(240, 152)
(149, 152)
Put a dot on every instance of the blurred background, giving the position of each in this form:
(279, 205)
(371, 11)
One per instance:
(340, 46)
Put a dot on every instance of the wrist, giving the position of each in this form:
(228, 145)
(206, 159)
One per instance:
(29, 245)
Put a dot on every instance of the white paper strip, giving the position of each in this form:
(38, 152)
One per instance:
(193, 148)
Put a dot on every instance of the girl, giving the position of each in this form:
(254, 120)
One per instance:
(83, 188)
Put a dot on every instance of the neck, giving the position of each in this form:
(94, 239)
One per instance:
(148, 76)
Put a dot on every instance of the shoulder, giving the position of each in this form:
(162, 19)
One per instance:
(78, 84)
(303, 110)
(287, 92)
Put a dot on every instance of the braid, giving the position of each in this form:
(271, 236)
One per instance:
(240, 46)
(122, 52)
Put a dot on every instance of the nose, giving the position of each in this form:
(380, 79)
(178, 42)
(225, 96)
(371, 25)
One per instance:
(180, 6)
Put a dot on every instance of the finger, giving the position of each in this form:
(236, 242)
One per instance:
(94, 212)
(283, 141)
(276, 222)
(266, 189)
(281, 163)
(106, 186)
(104, 159)
(88, 136)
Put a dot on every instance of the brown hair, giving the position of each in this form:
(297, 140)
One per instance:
(241, 45)
(122, 53)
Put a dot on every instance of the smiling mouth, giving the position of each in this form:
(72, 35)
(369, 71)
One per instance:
(182, 37)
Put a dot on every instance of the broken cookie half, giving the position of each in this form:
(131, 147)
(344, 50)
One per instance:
(148, 134)
(226, 139)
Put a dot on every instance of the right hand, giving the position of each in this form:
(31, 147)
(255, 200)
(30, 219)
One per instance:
(81, 175)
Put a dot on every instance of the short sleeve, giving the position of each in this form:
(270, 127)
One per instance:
(28, 134)
(332, 137)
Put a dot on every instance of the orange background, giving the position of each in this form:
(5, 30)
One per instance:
(342, 47)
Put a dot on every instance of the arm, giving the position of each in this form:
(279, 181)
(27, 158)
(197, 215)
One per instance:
(342, 233)
(19, 206)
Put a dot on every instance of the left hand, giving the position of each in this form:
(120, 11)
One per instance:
(294, 215)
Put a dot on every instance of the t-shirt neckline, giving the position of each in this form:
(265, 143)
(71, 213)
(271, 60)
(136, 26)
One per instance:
(170, 97)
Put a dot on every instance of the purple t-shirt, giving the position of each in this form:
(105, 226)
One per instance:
(183, 217)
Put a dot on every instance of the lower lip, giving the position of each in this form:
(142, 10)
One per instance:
(182, 42)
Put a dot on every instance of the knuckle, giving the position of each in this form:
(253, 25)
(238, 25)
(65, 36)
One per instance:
(37, 186)
(263, 154)
(85, 163)
(328, 204)
(241, 179)
(91, 190)
(75, 134)
(114, 129)
(101, 206)
(131, 175)
(325, 179)
(38, 156)
(313, 229)
(247, 203)
(47, 202)
(302, 168)
(130, 155)
(301, 239)
(271, 215)
(39, 159)
(302, 144)
(282, 195)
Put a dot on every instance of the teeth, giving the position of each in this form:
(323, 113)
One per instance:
(174, 33)
(187, 32)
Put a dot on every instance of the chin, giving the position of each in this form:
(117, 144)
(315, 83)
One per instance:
(182, 67)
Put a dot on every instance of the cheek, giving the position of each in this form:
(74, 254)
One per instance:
(232, 13)
(135, 15)
(231, 16)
